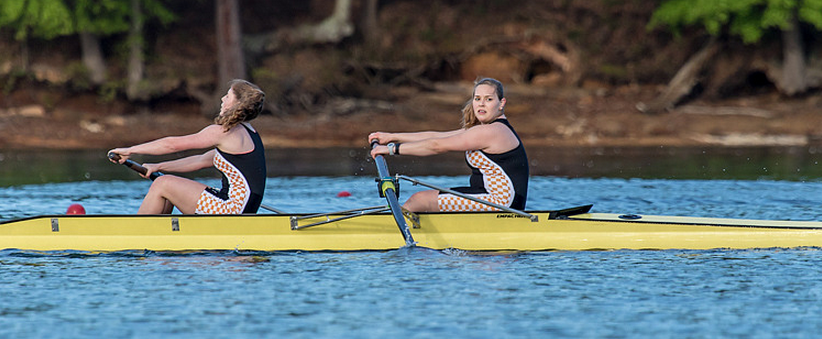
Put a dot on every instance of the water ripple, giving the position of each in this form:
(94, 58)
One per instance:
(415, 292)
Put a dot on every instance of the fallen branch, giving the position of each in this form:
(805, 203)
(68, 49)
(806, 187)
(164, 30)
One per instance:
(333, 29)
(682, 83)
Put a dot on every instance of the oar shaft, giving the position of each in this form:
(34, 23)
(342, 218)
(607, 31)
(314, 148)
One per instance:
(271, 209)
(396, 210)
(389, 190)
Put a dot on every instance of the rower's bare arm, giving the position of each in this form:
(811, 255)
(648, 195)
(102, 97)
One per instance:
(493, 138)
(385, 137)
(417, 136)
(208, 137)
(187, 164)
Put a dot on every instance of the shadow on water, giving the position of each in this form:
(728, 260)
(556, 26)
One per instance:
(749, 163)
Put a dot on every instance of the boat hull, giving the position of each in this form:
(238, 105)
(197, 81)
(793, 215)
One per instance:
(484, 231)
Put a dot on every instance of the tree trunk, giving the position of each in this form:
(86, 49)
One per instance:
(231, 63)
(370, 28)
(683, 82)
(24, 54)
(792, 81)
(230, 57)
(93, 57)
(136, 63)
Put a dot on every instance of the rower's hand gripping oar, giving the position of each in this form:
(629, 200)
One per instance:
(135, 166)
(389, 189)
(154, 175)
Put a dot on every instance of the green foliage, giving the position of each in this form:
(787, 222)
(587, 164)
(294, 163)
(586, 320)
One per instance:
(154, 9)
(107, 17)
(102, 17)
(749, 19)
(49, 19)
(811, 12)
(38, 18)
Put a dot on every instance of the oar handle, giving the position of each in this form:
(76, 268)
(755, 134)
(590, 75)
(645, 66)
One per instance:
(135, 166)
(385, 181)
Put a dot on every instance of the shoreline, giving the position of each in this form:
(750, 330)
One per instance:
(28, 166)
(542, 118)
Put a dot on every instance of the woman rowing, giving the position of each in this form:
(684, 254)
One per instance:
(493, 151)
(235, 149)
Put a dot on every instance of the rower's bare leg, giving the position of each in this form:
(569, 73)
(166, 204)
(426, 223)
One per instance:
(169, 191)
(423, 201)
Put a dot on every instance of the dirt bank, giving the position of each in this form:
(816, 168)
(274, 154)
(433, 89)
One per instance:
(594, 116)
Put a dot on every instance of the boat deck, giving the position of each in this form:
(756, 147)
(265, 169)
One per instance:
(479, 231)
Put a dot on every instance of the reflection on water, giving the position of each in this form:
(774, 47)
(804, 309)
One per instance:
(780, 163)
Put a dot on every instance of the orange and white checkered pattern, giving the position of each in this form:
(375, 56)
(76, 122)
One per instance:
(238, 192)
(499, 186)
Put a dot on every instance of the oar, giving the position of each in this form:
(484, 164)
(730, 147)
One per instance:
(154, 175)
(389, 189)
(135, 166)
(530, 216)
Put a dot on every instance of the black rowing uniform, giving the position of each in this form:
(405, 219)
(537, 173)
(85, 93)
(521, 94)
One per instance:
(243, 182)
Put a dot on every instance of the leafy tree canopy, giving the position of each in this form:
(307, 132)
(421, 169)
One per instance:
(49, 19)
(749, 19)
(40, 18)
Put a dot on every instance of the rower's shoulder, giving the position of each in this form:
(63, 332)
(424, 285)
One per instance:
(212, 129)
(494, 127)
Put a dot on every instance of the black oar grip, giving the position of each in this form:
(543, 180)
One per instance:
(134, 166)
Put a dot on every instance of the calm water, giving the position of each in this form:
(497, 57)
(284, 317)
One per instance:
(422, 293)
(750, 163)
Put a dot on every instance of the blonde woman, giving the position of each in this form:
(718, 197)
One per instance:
(493, 151)
(235, 149)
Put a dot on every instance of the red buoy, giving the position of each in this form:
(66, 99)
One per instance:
(76, 209)
(343, 194)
